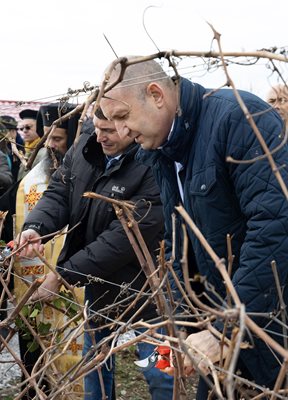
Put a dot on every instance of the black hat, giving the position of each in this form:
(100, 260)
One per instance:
(48, 113)
(8, 122)
(28, 114)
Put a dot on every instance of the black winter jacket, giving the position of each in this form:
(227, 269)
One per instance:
(99, 247)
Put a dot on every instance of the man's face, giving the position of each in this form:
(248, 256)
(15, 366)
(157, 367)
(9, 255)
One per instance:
(28, 130)
(112, 144)
(138, 118)
(278, 99)
(57, 140)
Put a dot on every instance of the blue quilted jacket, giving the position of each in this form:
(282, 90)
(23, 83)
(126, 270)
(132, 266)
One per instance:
(240, 199)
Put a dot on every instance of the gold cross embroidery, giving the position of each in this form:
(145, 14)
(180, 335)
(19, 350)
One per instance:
(32, 197)
(75, 347)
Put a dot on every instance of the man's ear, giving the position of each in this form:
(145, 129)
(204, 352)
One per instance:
(155, 91)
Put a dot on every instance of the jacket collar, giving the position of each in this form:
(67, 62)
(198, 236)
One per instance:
(92, 151)
(126, 157)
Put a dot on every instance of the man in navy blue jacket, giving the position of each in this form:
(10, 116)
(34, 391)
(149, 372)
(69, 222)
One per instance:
(186, 134)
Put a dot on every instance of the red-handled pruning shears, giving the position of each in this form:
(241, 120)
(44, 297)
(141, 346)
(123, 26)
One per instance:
(160, 358)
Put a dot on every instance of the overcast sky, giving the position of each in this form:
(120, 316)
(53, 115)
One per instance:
(50, 46)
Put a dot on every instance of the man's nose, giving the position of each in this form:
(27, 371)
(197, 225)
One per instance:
(101, 137)
(50, 143)
(122, 129)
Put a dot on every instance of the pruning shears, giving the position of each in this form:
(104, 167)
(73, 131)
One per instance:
(160, 358)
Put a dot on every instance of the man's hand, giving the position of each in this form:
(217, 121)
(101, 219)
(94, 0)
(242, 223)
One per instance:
(204, 349)
(49, 288)
(24, 237)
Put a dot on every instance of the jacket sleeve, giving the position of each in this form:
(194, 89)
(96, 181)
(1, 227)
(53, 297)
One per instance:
(112, 250)
(51, 213)
(264, 207)
(6, 178)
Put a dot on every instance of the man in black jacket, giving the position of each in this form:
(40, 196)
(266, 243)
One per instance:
(98, 247)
